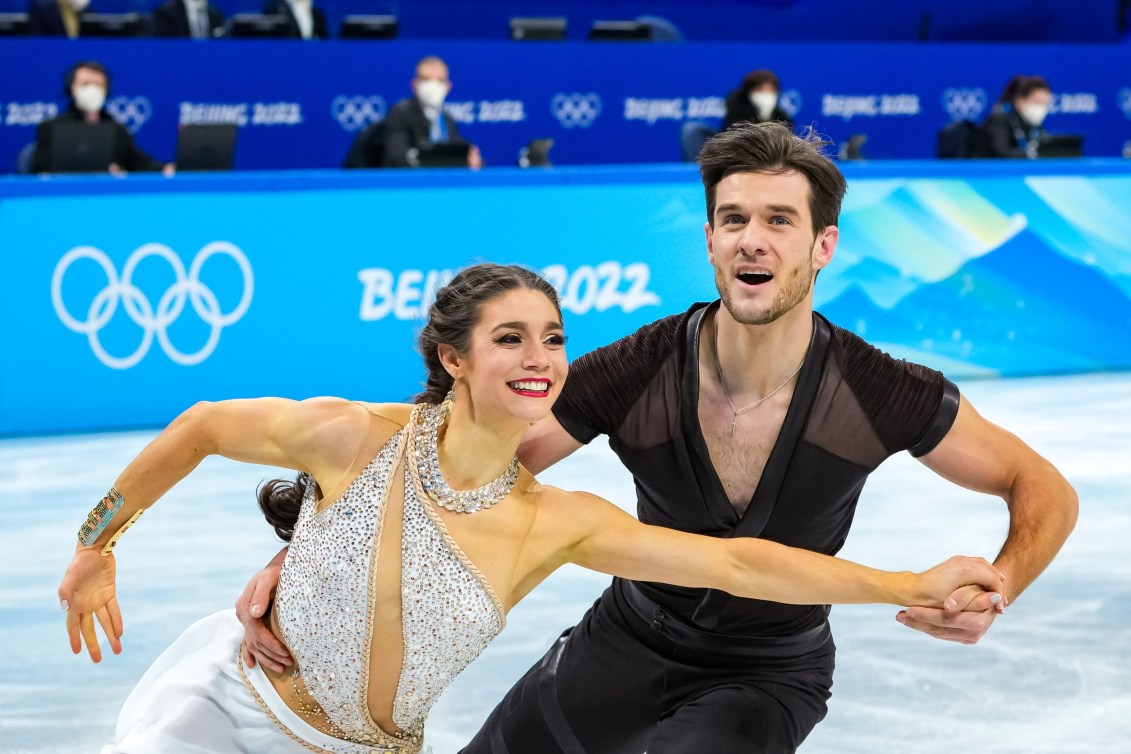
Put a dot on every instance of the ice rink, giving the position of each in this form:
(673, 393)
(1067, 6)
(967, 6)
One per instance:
(1053, 675)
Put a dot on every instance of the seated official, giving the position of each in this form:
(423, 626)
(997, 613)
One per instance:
(756, 100)
(417, 123)
(304, 20)
(55, 18)
(86, 85)
(1014, 126)
(195, 19)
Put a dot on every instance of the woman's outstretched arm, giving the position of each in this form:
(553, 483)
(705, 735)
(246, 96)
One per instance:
(611, 541)
(320, 436)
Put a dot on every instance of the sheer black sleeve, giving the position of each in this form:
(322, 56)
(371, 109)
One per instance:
(605, 383)
(911, 406)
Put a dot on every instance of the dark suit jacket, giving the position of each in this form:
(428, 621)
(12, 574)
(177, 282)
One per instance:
(739, 109)
(171, 20)
(281, 8)
(45, 20)
(1000, 134)
(126, 153)
(407, 127)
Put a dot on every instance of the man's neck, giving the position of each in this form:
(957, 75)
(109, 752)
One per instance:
(754, 359)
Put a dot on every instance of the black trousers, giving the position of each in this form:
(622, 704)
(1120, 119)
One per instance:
(629, 678)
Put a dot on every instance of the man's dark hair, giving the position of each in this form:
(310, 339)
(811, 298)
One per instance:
(774, 148)
(757, 78)
(92, 65)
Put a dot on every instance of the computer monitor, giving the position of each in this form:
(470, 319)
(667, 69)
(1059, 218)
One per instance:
(1061, 145)
(538, 29)
(369, 27)
(449, 154)
(109, 24)
(13, 24)
(78, 147)
(245, 25)
(619, 31)
(206, 147)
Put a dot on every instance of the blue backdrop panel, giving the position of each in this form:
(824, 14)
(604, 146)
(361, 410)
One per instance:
(130, 299)
(299, 104)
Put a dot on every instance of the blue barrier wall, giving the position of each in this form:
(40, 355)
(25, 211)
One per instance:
(299, 104)
(127, 300)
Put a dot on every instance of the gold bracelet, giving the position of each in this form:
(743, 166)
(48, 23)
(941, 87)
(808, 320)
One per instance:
(99, 517)
(114, 539)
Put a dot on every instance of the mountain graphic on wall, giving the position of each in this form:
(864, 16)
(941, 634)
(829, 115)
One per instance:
(1021, 309)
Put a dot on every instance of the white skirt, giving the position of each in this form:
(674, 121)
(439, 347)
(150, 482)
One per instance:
(194, 700)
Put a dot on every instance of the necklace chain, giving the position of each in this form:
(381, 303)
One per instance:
(722, 383)
(426, 423)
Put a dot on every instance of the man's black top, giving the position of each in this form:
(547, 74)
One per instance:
(126, 153)
(853, 407)
(171, 20)
(407, 127)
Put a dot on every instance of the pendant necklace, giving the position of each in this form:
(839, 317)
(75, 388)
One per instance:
(722, 383)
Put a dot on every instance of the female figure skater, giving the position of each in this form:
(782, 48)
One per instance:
(415, 530)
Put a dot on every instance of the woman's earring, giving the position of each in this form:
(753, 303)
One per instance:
(449, 399)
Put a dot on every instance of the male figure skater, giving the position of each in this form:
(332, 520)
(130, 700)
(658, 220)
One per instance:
(749, 416)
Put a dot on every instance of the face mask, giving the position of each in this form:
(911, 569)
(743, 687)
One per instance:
(431, 93)
(1033, 114)
(79, 5)
(90, 98)
(764, 103)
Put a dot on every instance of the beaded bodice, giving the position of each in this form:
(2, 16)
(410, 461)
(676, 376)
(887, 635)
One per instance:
(325, 602)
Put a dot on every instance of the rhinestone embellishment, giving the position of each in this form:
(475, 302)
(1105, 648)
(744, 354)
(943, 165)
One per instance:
(427, 421)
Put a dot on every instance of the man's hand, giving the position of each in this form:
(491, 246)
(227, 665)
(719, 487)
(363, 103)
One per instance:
(968, 614)
(258, 641)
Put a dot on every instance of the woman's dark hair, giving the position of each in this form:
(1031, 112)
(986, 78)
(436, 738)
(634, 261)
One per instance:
(1022, 86)
(774, 148)
(456, 311)
(451, 318)
(91, 65)
(755, 79)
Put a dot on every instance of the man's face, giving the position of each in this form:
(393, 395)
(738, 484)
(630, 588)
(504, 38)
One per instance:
(87, 76)
(431, 74)
(762, 246)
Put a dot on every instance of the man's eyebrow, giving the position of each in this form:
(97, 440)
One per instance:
(784, 209)
(728, 207)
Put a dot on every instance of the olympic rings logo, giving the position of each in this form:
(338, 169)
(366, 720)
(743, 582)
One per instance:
(1125, 101)
(355, 113)
(154, 321)
(790, 102)
(130, 112)
(964, 104)
(575, 109)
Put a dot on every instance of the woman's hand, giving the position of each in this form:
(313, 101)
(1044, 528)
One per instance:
(937, 586)
(88, 591)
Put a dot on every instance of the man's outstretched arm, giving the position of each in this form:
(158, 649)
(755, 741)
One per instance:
(981, 456)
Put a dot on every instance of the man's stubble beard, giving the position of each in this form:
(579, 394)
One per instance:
(797, 286)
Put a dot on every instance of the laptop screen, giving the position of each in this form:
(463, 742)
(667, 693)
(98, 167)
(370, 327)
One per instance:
(1061, 145)
(78, 147)
(450, 154)
(206, 147)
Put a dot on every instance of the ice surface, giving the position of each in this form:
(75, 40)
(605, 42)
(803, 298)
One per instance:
(1053, 674)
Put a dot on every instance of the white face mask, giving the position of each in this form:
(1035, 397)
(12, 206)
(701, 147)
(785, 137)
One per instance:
(431, 93)
(78, 5)
(764, 103)
(1033, 114)
(90, 98)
